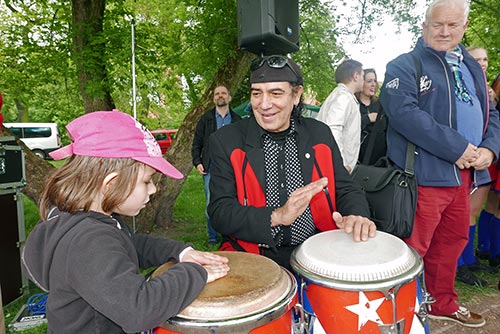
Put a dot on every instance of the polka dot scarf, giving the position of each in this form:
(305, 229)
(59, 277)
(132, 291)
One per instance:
(283, 176)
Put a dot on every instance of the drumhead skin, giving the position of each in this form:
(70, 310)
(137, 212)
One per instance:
(334, 259)
(254, 283)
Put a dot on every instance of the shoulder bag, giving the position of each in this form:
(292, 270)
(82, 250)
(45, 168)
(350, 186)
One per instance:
(390, 191)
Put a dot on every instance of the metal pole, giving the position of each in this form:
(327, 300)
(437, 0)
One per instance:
(134, 99)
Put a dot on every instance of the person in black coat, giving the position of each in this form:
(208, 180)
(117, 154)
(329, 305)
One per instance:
(211, 121)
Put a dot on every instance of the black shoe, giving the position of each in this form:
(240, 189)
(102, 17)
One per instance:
(483, 255)
(468, 277)
(478, 266)
(494, 261)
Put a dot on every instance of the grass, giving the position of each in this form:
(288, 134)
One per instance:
(189, 225)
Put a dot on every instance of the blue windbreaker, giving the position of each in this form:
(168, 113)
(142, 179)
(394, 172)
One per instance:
(431, 124)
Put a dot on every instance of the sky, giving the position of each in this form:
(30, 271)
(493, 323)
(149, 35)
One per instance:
(385, 45)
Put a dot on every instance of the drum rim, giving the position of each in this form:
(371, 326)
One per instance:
(246, 323)
(375, 285)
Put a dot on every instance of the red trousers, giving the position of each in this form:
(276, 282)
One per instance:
(440, 233)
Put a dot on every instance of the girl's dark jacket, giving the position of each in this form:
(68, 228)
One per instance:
(90, 268)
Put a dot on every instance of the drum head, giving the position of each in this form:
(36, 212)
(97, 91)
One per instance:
(335, 255)
(253, 284)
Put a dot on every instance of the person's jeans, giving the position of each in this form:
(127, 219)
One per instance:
(212, 234)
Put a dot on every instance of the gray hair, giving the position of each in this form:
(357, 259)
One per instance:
(465, 4)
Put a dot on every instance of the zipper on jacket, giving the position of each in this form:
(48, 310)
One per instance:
(449, 110)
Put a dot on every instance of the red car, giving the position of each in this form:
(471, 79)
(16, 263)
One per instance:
(164, 138)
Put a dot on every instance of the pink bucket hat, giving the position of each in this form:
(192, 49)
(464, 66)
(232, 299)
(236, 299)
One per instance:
(113, 134)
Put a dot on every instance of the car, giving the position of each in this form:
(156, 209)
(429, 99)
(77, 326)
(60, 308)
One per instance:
(41, 138)
(164, 138)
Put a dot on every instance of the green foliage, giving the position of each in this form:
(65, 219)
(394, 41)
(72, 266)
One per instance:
(484, 31)
(320, 48)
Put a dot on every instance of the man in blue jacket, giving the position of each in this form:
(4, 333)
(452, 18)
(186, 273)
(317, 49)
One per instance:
(445, 112)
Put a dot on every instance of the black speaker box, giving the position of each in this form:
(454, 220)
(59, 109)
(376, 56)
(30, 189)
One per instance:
(12, 167)
(12, 280)
(268, 27)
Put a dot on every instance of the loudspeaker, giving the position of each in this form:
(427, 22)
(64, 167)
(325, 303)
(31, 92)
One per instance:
(12, 167)
(13, 283)
(268, 27)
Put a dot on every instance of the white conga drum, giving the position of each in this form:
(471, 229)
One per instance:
(255, 297)
(360, 287)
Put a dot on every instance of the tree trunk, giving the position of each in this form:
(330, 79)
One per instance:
(179, 154)
(37, 171)
(89, 48)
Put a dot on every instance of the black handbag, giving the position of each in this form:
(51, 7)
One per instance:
(391, 193)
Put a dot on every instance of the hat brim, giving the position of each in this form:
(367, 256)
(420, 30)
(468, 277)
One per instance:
(62, 152)
(161, 165)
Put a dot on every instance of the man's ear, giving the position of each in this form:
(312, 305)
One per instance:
(107, 180)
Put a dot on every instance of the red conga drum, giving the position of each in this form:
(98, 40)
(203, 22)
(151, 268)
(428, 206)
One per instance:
(255, 297)
(360, 287)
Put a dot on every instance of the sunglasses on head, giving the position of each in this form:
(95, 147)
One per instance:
(273, 62)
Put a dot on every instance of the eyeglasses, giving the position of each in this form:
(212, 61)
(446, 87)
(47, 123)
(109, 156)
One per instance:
(273, 62)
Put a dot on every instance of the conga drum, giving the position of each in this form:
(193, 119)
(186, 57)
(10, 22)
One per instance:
(256, 296)
(365, 287)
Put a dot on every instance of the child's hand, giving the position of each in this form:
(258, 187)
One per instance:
(215, 265)
(204, 258)
(216, 271)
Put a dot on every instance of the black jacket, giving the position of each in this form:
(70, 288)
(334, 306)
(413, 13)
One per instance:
(205, 127)
(90, 268)
(252, 223)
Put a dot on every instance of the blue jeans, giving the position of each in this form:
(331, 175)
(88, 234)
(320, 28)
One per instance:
(212, 234)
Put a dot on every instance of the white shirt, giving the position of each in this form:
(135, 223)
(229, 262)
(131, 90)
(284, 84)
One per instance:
(340, 112)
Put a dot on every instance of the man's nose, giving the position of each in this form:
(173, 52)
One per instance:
(445, 30)
(266, 101)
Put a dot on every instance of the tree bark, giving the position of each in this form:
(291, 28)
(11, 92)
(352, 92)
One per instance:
(36, 168)
(89, 53)
(159, 212)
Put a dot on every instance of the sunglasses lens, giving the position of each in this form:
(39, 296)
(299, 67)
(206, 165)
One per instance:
(276, 62)
(256, 63)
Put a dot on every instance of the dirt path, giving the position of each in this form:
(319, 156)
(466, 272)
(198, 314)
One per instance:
(488, 306)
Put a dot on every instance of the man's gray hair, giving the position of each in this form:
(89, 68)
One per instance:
(465, 4)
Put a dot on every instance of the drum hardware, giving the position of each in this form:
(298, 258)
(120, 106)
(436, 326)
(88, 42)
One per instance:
(306, 318)
(397, 327)
(300, 324)
(426, 303)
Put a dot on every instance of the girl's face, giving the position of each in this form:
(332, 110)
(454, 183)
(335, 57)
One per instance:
(481, 56)
(370, 84)
(139, 197)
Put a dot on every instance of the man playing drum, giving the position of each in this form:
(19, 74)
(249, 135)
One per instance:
(279, 178)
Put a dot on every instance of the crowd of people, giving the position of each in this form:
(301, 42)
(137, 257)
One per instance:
(274, 179)
(436, 97)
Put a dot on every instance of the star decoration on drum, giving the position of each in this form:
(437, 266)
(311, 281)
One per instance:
(366, 310)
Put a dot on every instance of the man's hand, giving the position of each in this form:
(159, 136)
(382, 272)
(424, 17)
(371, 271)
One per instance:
(470, 154)
(297, 203)
(200, 169)
(361, 228)
(484, 160)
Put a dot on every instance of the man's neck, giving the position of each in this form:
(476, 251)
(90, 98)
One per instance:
(351, 86)
(222, 110)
